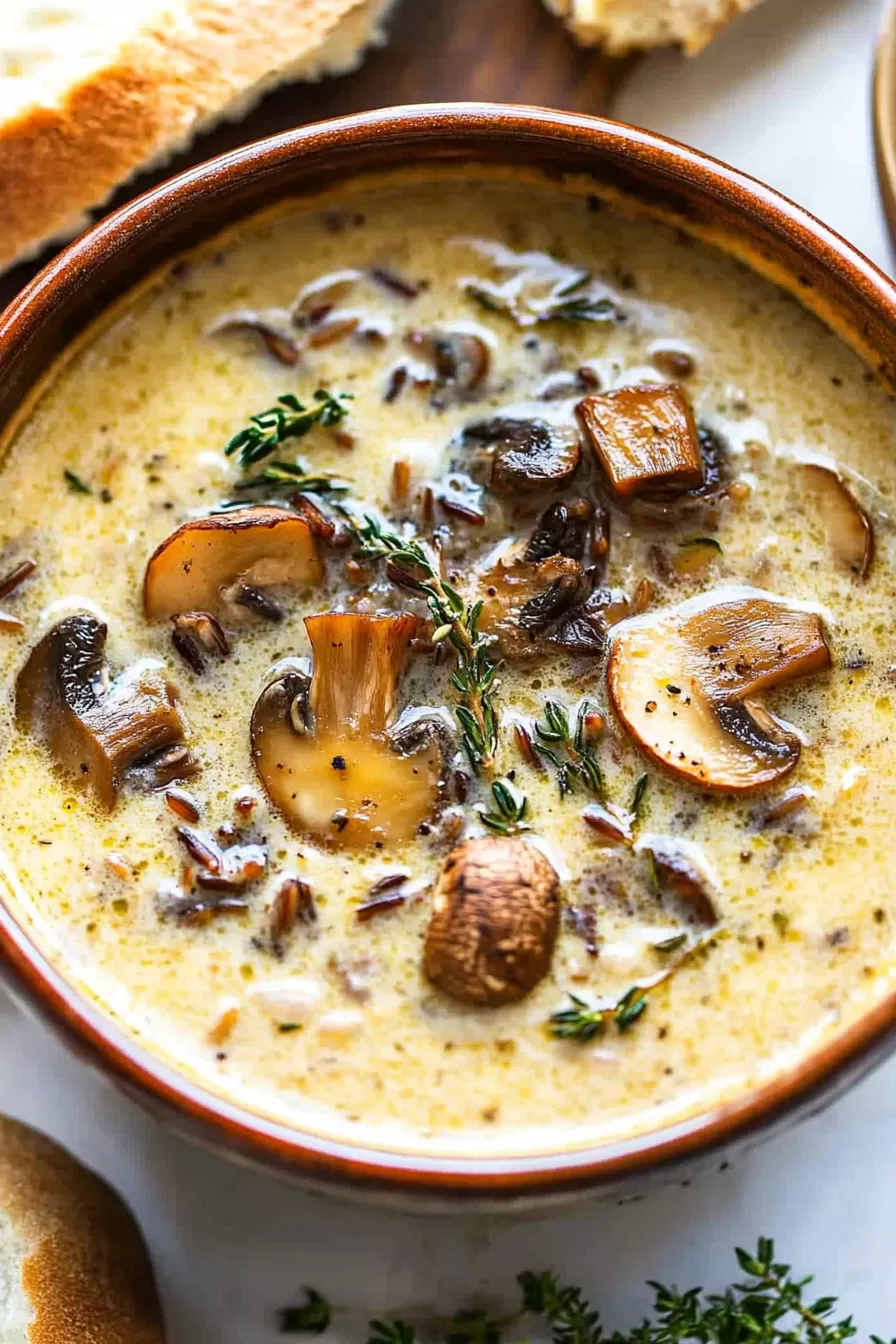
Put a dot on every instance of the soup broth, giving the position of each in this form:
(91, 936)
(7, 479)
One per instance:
(254, 888)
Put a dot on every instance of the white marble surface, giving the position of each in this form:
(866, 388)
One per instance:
(785, 95)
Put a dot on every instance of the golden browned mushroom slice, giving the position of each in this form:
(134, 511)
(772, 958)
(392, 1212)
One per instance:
(684, 681)
(849, 528)
(223, 564)
(645, 438)
(494, 921)
(94, 729)
(322, 747)
(521, 600)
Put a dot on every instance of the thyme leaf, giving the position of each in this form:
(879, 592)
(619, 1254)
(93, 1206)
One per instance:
(638, 797)
(510, 809)
(311, 1318)
(569, 750)
(76, 484)
(581, 1021)
(391, 1332)
(562, 306)
(288, 419)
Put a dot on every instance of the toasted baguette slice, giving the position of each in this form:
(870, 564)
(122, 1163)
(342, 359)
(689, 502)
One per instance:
(73, 1266)
(621, 26)
(94, 90)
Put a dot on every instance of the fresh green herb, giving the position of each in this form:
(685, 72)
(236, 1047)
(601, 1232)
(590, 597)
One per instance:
(295, 476)
(75, 483)
(288, 419)
(769, 1307)
(562, 306)
(567, 1312)
(672, 944)
(638, 796)
(312, 1318)
(410, 564)
(473, 1327)
(510, 809)
(582, 1021)
(391, 1332)
(781, 921)
(569, 750)
(286, 1027)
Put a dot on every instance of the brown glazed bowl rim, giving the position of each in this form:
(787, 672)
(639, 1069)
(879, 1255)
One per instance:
(709, 198)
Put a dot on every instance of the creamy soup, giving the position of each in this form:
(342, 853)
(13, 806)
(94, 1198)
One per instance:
(380, 862)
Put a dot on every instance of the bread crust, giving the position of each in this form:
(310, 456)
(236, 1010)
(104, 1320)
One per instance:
(170, 80)
(622, 26)
(85, 1273)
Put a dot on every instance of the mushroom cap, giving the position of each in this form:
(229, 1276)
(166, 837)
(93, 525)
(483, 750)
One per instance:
(523, 598)
(262, 546)
(494, 922)
(684, 681)
(645, 438)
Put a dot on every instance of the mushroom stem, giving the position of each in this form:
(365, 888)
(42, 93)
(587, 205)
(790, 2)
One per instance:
(324, 752)
(357, 667)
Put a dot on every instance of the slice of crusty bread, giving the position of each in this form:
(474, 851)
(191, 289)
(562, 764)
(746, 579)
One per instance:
(73, 1266)
(631, 25)
(113, 86)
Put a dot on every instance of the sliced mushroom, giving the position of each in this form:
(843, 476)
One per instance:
(522, 600)
(93, 727)
(684, 681)
(322, 749)
(495, 915)
(644, 438)
(218, 565)
(197, 636)
(683, 880)
(459, 359)
(849, 527)
(274, 328)
(528, 455)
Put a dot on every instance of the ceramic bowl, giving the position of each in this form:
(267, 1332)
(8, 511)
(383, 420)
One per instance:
(676, 184)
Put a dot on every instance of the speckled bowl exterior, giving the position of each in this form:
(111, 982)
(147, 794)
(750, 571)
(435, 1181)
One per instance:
(679, 185)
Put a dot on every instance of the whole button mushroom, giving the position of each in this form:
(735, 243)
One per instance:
(494, 922)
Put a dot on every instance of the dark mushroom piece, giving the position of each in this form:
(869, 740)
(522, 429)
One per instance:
(586, 628)
(94, 728)
(494, 922)
(224, 564)
(522, 600)
(274, 329)
(322, 748)
(645, 439)
(564, 528)
(685, 681)
(528, 455)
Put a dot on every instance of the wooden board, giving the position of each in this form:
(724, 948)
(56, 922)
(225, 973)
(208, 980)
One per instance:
(496, 50)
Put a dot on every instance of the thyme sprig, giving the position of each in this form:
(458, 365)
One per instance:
(582, 1021)
(288, 419)
(569, 749)
(411, 564)
(769, 1305)
(562, 306)
(295, 476)
(510, 809)
(311, 1318)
